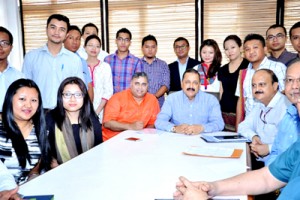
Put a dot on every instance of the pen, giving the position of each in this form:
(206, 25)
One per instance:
(62, 67)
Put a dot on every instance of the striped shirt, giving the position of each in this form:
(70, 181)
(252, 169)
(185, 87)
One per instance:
(9, 157)
(158, 75)
(122, 70)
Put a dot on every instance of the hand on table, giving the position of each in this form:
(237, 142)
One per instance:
(258, 148)
(138, 125)
(10, 194)
(189, 129)
(187, 190)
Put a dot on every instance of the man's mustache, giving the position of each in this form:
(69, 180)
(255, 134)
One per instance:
(193, 89)
(259, 92)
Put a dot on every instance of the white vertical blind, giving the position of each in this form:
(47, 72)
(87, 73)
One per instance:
(291, 16)
(240, 17)
(36, 13)
(166, 20)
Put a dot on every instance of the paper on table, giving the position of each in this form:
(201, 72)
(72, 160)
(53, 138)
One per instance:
(219, 152)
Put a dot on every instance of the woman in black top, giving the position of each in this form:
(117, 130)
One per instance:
(73, 125)
(228, 77)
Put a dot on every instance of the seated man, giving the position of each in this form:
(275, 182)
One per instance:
(190, 111)
(8, 186)
(261, 125)
(289, 126)
(131, 109)
(285, 170)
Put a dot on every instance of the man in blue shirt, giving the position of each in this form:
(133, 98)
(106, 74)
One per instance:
(289, 126)
(285, 170)
(190, 111)
(49, 65)
(8, 74)
(72, 43)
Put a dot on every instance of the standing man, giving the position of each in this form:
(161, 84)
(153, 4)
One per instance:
(190, 111)
(276, 38)
(131, 109)
(123, 64)
(295, 37)
(87, 30)
(72, 43)
(255, 48)
(8, 74)
(181, 48)
(157, 70)
(49, 65)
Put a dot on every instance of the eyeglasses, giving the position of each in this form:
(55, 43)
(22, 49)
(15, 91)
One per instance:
(93, 46)
(126, 40)
(272, 37)
(183, 47)
(68, 95)
(4, 43)
(289, 81)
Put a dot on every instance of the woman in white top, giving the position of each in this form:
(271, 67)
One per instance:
(100, 73)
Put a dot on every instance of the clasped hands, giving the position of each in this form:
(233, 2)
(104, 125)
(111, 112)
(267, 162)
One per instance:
(187, 190)
(189, 129)
(258, 148)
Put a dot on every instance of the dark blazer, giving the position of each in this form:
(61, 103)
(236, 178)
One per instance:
(175, 83)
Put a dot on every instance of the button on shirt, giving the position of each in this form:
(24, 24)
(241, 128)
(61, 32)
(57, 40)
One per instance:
(178, 109)
(288, 133)
(9, 75)
(182, 67)
(277, 67)
(158, 75)
(263, 120)
(122, 70)
(49, 71)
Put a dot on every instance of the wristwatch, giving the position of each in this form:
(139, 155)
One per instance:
(173, 129)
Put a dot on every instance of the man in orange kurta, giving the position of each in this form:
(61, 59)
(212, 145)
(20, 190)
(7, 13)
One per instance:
(131, 109)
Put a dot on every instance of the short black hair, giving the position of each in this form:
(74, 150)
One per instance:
(255, 36)
(296, 25)
(139, 74)
(149, 38)
(124, 30)
(193, 71)
(276, 26)
(92, 37)
(235, 38)
(89, 25)
(74, 27)
(4, 30)
(179, 39)
(59, 17)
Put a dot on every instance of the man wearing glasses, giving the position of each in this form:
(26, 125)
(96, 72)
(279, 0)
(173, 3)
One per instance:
(123, 64)
(295, 37)
(8, 74)
(261, 125)
(276, 38)
(181, 48)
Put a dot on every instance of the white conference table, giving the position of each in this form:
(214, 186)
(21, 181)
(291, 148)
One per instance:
(147, 169)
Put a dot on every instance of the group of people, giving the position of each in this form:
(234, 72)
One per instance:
(70, 98)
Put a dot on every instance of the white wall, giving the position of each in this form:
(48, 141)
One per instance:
(10, 19)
